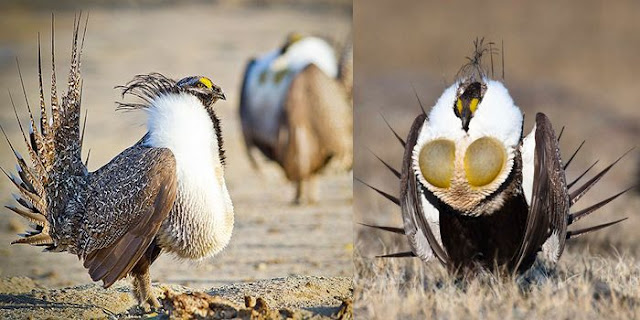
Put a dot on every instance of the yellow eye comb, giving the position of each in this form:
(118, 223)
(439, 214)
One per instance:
(206, 82)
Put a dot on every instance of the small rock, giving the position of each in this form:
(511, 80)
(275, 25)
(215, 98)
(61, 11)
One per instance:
(37, 271)
(249, 301)
(274, 230)
(601, 290)
(261, 306)
(208, 267)
(346, 310)
(50, 275)
(287, 313)
(198, 304)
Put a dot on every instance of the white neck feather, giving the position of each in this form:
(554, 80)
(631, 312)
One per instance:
(312, 50)
(497, 116)
(180, 123)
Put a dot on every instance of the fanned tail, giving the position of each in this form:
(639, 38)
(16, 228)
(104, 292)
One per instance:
(66, 130)
(54, 147)
(391, 198)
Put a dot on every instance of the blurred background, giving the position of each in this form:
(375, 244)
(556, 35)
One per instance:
(178, 38)
(576, 61)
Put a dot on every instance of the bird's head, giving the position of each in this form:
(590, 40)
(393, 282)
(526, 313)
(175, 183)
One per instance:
(292, 38)
(203, 88)
(468, 98)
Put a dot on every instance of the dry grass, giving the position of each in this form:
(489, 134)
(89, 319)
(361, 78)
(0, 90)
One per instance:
(582, 286)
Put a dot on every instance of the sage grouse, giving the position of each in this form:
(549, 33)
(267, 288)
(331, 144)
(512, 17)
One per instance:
(165, 193)
(474, 193)
(295, 108)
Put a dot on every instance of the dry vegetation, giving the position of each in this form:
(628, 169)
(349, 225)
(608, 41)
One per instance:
(577, 63)
(583, 286)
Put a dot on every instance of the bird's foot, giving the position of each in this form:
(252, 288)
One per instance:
(153, 303)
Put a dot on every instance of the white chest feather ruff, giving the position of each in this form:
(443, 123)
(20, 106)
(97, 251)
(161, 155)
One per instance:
(497, 117)
(201, 220)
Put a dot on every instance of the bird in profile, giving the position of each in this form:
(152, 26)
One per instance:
(296, 109)
(167, 192)
(475, 193)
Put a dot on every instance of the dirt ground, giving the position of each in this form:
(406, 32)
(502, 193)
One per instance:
(271, 239)
(298, 297)
(575, 61)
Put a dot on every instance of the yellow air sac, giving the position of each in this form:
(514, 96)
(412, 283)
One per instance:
(437, 162)
(483, 161)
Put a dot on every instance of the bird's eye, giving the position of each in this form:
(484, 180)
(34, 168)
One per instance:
(483, 161)
(436, 162)
(473, 105)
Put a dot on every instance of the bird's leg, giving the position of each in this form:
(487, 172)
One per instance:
(312, 190)
(252, 159)
(305, 192)
(142, 289)
(299, 193)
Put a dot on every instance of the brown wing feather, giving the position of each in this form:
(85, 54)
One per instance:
(318, 124)
(137, 214)
(547, 221)
(415, 224)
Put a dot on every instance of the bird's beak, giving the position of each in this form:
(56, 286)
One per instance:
(220, 95)
(466, 117)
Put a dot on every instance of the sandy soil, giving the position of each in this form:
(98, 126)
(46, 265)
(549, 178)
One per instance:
(271, 239)
(299, 296)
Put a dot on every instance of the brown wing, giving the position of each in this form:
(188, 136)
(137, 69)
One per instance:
(421, 237)
(318, 122)
(129, 199)
(549, 208)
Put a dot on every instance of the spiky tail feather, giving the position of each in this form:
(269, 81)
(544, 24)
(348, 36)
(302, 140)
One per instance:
(54, 148)
(582, 190)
